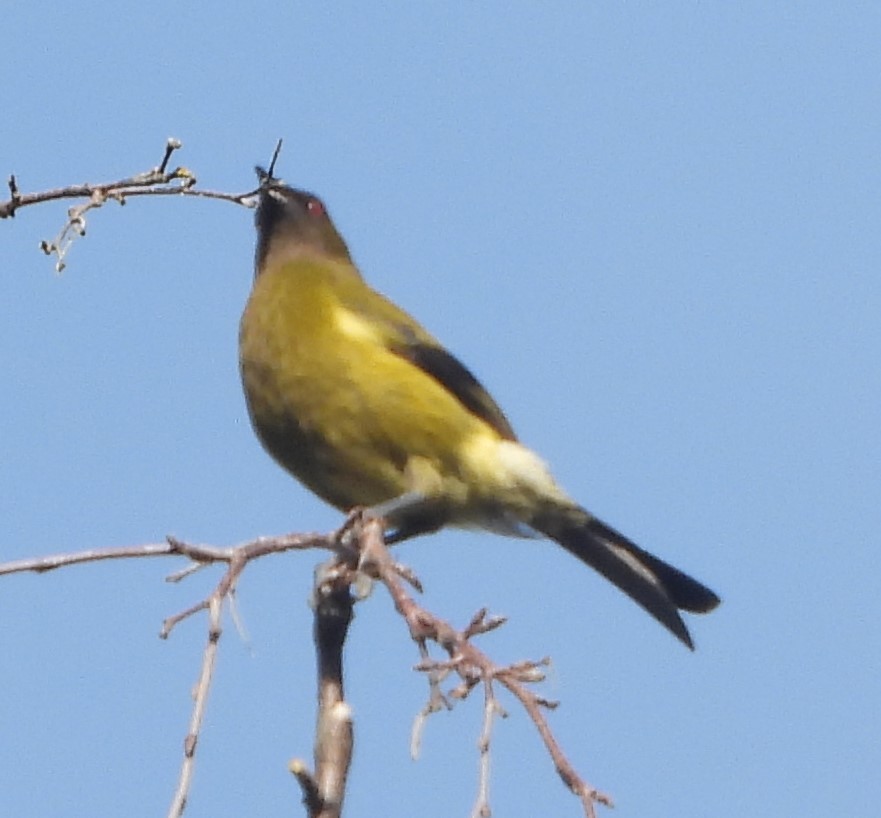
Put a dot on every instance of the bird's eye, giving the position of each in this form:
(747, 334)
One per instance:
(315, 207)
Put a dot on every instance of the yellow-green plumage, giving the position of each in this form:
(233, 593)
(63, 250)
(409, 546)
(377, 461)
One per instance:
(353, 397)
(340, 410)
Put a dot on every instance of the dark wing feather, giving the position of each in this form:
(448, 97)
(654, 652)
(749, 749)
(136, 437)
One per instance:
(405, 337)
(456, 378)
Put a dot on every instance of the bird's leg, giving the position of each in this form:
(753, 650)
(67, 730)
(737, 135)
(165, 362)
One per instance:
(410, 514)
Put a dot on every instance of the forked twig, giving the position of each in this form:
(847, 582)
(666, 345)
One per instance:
(158, 181)
(473, 668)
(359, 549)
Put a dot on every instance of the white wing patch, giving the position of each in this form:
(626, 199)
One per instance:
(354, 326)
(512, 468)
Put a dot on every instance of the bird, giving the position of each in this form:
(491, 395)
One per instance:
(360, 403)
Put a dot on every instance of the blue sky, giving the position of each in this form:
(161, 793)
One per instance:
(650, 229)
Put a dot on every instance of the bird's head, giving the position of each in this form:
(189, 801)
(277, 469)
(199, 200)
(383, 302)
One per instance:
(294, 222)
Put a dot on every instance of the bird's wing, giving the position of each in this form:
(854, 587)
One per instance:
(457, 379)
(405, 337)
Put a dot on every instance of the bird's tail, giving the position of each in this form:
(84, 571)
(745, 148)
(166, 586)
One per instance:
(658, 587)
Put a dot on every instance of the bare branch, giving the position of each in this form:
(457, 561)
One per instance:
(308, 785)
(333, 604)
(159, 181)
(237, 557)
(436, 699)
(262, 546)
(473, 668)
(360, 551)
(200, 701)
(170, 147)
(53, 561)
(274, 159)
(490, 710)
(533, 705)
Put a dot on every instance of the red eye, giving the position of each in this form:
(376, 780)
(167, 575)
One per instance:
(315, 207)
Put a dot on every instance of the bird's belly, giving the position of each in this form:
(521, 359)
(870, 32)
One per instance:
(319, 429)
(349, 418)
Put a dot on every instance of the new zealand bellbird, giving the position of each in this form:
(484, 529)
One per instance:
(354, 398)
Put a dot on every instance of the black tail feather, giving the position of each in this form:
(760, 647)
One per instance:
(658, 587)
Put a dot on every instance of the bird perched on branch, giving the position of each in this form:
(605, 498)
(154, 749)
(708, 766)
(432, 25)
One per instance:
(361, 404)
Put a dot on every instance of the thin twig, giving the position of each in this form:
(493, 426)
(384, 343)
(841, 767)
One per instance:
(53, 561)
(262, 546)
(534, 706)
(436, 699)
(360, 549)
(237, 557)
(158, 181)
(490, 709)
(200, 701)
(274, 159)
(473, 668)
